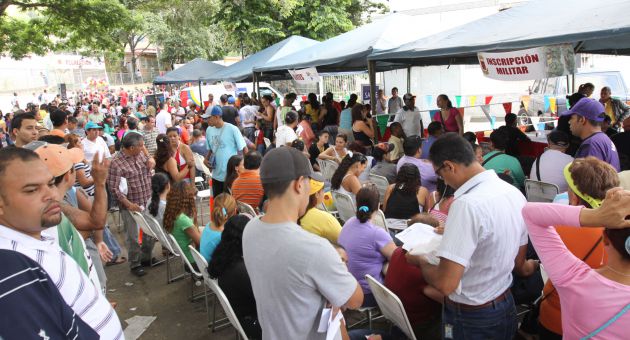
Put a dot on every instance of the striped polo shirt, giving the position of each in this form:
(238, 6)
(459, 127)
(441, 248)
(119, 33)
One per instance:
(247, 188)
(75, 287)
(33, 307)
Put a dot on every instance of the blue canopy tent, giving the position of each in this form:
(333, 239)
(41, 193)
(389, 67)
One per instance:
(591, 26)
(192, 71)
(242, 70)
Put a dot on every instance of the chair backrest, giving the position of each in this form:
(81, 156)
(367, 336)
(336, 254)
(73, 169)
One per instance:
(345, 205)
(140, 220)
(244, 208)
(540, 191)
(179, 251)
(199, 164)
(160, 233)
(381, 184)
(391, 306)
(327, 167)
(214, 286)
(379, 220)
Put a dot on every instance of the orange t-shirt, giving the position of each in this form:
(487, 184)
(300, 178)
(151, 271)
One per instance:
(57, 132)
(579, 241)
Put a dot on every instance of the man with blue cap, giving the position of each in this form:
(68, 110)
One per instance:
(223, 141)
(586, 120)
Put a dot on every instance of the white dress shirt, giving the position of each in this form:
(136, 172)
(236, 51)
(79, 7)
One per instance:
(483, 233)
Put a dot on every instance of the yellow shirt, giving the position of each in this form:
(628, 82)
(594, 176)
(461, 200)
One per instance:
(609, 112)
(309, 110)
(398, 151)
(321, 224)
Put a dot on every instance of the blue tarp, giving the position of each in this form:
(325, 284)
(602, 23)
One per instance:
(191, 72)
(591, 26)
(242, 70)
(349, 51)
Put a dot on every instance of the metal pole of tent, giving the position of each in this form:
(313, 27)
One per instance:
(372, 77)
(200, 96)
(408, 79)
(258, 87)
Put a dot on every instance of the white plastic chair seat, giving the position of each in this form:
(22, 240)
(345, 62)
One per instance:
(381, 184)
(540, 191)
(244, 208)
(203, 194)
(345, 205)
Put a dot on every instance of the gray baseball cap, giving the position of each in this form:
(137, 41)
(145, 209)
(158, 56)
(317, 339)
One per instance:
(286, 164)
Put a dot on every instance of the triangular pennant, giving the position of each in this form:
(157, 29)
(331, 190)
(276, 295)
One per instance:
(472, 100)
(429, 101)
(546, 101)
(458, 101)
(507, 107)
(461, 111)
(552, 104)
(488, 99)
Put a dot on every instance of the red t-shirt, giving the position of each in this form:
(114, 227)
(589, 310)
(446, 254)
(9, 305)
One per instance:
(407, 283)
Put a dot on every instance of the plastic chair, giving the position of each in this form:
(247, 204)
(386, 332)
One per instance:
(244, 208)
(196, 276)
(160, 234)
(201, 183)
(379, 220)
(214, 287)
(381, 184)
(144, 225)
(391, 306)
(327, 167)
(203, 195)
(345, 205)
(199, 164)
(536, 191)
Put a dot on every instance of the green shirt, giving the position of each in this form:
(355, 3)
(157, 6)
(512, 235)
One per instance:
(504, 162)
(183, 222)
(70, 242)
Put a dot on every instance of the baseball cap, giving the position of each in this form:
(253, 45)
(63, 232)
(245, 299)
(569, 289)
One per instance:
(588, 108)
(212, 111)
(92, 125)
(286, 164)
(559, 138)
(408, 96)
(58, 159)
(231, 100)
(316, 186)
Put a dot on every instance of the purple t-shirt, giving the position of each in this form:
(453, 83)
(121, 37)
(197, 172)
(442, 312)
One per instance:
(363, 243)
(428, 178)
(601, 147)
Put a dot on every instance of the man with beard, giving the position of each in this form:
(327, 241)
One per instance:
(29, 204)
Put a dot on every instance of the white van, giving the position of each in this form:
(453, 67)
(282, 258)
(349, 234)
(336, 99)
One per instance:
(192, 92)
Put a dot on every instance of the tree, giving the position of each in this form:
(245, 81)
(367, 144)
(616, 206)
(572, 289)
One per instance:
(38, 26)
(260, 23)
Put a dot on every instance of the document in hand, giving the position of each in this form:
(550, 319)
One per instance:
(421, 239)
(331, 323)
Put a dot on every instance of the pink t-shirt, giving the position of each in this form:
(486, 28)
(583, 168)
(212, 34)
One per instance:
(588, 299)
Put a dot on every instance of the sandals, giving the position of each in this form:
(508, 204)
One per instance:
(116, 261)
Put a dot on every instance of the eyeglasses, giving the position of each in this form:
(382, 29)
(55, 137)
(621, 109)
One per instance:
(437, 171)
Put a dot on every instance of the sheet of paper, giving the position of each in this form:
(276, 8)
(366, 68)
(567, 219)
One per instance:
(330, 324)
(323, 321)
(421, 239)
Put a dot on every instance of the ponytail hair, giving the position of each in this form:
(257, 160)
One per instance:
(224, 208)
(343, 168)
(367, 202)
(159, 181)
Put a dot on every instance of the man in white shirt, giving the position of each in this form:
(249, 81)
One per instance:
(394, 104)
(163, 120)
(485, 239)
(285, 135)
(93, 144)
(549, 167)
(29, 204)
(177, 109)
(409, 117)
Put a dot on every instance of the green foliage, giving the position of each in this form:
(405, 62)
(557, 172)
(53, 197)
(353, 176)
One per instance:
(42, 25)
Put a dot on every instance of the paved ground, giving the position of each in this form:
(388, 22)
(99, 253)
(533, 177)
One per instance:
(150, 295)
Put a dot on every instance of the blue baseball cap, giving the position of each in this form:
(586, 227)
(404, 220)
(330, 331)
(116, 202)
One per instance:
(588, 108)
(92, 125)
(231, 100)
(212, 111)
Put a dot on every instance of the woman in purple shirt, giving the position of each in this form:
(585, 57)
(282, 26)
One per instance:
(369, 247)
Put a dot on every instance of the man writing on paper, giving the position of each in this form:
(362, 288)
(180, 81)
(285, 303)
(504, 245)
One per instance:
(484, 240)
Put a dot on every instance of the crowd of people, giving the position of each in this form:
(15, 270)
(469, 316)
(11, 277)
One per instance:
(286, 259)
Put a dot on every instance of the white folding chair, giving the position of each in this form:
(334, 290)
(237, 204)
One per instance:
(328, 168)
(199, 164)
(381, 184)
(144, 225)
(244, 208)
(196, 276)
(536, 191)
(203, 196)
(345, 205)
(379, 220)
(391, 306)
(200, 183)
(214, 287)
(165, 241)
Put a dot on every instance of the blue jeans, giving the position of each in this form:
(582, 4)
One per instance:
(111, 242)
(497, 321)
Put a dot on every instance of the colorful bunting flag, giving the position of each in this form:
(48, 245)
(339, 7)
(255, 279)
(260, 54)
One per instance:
(546, 100)
(507, 107)
(488, 99)
(432, 113)
(552, 104)
(458, 101)
(429, 101)
(461, 111)
(472, 100)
